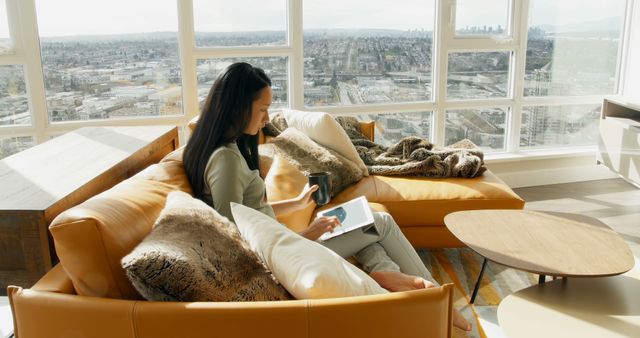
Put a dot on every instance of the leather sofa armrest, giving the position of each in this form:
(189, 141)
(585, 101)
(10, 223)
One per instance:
(368, 128)
(56, 280)
(39, 314)
(192, 123)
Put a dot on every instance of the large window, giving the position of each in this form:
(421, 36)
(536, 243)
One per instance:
(5, 37)
(392, 127)
(102, 60)
(367, 52)
(478, 75)
(484, 127)
(14, 105)
(14, 144)
(240, 22)
(274, 67)
(572, 47)
(510, 75)
(482, 18)
(559, 126)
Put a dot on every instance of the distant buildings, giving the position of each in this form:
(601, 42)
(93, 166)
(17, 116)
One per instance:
(118, 77)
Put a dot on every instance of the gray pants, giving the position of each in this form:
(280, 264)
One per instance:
(382, 247)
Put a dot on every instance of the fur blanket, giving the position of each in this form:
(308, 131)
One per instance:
(415, 156)
(411, 156)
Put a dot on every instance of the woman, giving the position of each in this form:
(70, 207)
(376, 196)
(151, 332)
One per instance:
(221, 161)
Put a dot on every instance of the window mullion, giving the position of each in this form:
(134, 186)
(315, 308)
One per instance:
(481, 45)
(444, 23)
(186, 42)
(11, 59)
(520, 13)
(296, 63)
(28, 40)
(233, 52)
(625, 46)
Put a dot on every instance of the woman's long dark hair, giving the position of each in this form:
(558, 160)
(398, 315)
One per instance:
(224, 117)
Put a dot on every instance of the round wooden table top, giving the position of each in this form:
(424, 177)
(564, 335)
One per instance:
(546, 243)
(574, 307)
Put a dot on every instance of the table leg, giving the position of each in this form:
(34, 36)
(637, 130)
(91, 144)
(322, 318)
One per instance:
(477, 286)
(542, 279)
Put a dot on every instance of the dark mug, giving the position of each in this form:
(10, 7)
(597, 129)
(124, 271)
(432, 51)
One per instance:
(321, 196)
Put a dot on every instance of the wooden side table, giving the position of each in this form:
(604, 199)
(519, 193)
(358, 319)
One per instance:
(41, 182)
(544, 243)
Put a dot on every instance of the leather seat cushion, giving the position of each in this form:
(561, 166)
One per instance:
(423, 201)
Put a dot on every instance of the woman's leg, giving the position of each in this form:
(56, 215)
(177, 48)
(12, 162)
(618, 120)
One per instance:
(380, 248)
(397, 247)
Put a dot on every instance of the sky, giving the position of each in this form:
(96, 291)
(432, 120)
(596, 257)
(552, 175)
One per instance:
(95, 17)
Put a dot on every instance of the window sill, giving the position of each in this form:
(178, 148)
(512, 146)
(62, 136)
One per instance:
(540, 154)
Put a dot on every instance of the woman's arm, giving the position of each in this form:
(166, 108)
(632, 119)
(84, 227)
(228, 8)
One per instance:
(299, 202)
(318, 226)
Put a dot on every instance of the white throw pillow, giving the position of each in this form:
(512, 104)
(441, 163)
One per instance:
(305, 268)
(323, 128)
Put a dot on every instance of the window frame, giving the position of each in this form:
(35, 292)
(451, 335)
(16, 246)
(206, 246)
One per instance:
(24, 33)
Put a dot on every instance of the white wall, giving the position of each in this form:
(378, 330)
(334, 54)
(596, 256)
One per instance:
(631, 85)
(563, 169)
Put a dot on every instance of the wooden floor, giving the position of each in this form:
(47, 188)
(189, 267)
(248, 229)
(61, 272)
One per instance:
(614, 202)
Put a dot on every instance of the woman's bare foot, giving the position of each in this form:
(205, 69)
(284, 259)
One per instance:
(397, 281)
(460, 322)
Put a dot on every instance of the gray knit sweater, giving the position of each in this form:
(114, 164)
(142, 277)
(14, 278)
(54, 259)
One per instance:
(229, 179)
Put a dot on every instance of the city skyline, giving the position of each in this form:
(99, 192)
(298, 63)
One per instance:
(60, 18)
(128, 75)
(104, 78)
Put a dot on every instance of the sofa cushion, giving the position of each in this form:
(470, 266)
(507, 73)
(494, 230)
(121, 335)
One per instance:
(92, 237)
(323, 129)
(306, 268)
(195, 254)
(285, 181)
(308, 156)
(424, 201)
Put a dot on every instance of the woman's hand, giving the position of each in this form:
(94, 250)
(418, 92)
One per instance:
(305, 199)
(302, 201)
(319, 226)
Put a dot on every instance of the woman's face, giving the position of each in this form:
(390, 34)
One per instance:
(259, 111)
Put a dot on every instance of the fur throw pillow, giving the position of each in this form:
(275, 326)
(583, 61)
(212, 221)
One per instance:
(195, 254)
(308, 156)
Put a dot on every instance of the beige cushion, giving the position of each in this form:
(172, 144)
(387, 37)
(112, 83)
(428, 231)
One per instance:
(195, 254)
(92, 237)
(305, 268)
(323, 128)
(307, 156)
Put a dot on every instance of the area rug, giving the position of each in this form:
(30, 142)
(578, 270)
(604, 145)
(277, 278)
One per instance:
(461, 267)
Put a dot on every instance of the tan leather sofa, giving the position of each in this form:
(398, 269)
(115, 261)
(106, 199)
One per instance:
(88, 294)
(418, 204)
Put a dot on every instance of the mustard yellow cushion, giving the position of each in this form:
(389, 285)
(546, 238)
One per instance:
(284, 181)
(423, 201)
